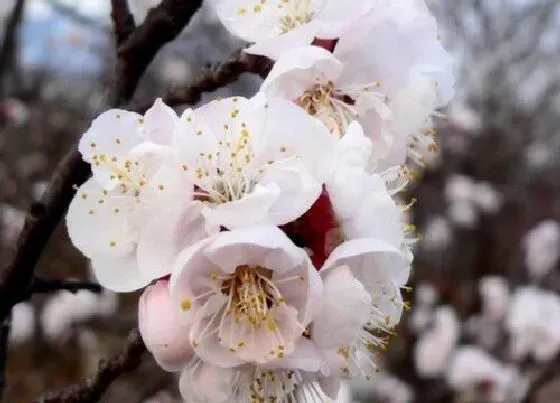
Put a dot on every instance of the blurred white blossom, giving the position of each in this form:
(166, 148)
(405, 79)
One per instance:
(542, 248)
(533, 322)
(435, 346)
(23, 323)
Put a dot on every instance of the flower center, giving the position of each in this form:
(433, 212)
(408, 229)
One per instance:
(251, 296)
(335, 109)
(298, 12)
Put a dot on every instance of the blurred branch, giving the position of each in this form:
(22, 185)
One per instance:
(8, 49)
(43, 285)
(40, 223)
(548, 374)
(92, 389)
(43, 218)
(162, 24)
(218, 76)
(75, 15)
(4, 339)
(123, 20)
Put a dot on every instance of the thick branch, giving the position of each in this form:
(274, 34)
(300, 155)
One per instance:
(218, 76)
(548, 374)
(163, 23)
(123, 20)
(4, 339)
(40, 223)
(92, 389)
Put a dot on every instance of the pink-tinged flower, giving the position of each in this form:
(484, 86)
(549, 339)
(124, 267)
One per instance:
(163, 331)
(249, 295)
(253, 162)
(276, 26)
(202, 382)
(394, 95)
(134, 213)
(361, 304)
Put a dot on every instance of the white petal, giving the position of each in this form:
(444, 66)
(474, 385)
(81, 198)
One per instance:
(371, 261)
(119, 275)
(97, 223)
(165, 235)
(275, 46)
(163, 332)
(289, 126)
(160, 123)
(252, 209)
(296, 72)
(345, 310)
(265, 246)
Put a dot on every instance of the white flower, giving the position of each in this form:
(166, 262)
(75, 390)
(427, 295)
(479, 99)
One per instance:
(65, 308)
(362, 203)
(23, 323)
(533, 322)
(463, 213)
(202, 382)
(438, 234)
(253, 162)
(130, 217)
(280, 25)
(486, 197)
(472, 367)
(361, 302)
(434, 348)
(392, 94)
(542, 250)
(249, 295)
(459, 188)
(494, 292)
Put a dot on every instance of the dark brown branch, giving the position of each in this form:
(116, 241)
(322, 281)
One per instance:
(163, 23)
(4, 339)
(123, 20)
(218, 76)
(549, 373)
(43, 285)
(41, 221)
(92, 389)
(43, 218)
(8, 47)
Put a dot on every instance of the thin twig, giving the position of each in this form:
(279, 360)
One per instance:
(92, 389)
(218, 76)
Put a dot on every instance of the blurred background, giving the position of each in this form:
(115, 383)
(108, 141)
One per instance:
(484, 322)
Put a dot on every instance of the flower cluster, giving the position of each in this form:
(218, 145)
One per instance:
(265, 231)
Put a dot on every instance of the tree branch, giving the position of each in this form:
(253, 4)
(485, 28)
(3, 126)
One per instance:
(123, 20)
(548, 374)
(40, 223)
(43, 285)
(4, 339)
(92, 389)
(162, 24)
(8, 47)
(218, 76)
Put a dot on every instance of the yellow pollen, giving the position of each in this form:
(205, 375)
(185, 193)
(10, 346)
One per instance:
(186, 304)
